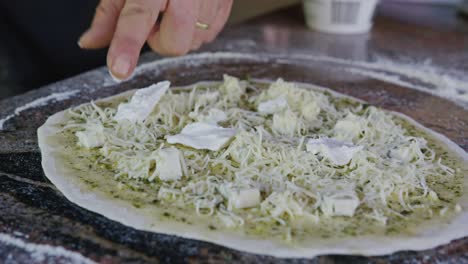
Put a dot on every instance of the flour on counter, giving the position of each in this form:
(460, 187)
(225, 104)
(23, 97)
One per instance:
(55, 97)
(422, 76)
(390, 78)
(40, 252)
(195, 60)
(445, 83)
(432, 79)
(2, 121)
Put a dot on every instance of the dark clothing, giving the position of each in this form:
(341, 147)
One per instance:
(38, 42)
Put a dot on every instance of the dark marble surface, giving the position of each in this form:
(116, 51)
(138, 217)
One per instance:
(35, 212)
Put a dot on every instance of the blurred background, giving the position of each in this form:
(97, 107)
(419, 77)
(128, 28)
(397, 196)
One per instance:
(38, 39)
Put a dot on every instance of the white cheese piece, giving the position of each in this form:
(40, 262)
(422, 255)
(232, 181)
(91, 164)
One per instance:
(273, 106)
(338, 152)
(232, 88)
(142, 103)
(310, 110)
(207, 98)
(213, 116)
(307, 103)
(408, 152)
(335, 205)
(285, 123)
(244, 198)
(168, 164)
(202, 135)
(401, 153)
(239, 147)
(280, 88)
(92, 136)
(350, 127)
(280, 203)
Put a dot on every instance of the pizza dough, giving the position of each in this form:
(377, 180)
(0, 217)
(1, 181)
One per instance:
(281, 169)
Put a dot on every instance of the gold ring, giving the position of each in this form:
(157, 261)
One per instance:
(201, 25)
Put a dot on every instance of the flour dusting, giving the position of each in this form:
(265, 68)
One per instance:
(437, 81)
(45, 100)
(42, 252)
(390, 78)
(2, 121)
(426, 72)
(422, 76)
(55, 97)
(194, 60)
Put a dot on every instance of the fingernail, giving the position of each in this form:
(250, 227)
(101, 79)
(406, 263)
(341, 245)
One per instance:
(82, 39)
(117, 80)
(121, 67)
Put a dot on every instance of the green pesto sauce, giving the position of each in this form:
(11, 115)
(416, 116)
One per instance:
(143, 194)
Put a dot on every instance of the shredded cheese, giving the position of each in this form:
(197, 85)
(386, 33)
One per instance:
(268, 155)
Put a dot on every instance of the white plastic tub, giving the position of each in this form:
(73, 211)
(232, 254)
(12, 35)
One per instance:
(340, 16)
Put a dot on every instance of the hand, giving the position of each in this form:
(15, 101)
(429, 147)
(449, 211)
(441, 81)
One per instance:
(126, 25)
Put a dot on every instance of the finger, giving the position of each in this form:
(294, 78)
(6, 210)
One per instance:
(196, 45)
(135, 22)
(220, 20)
(99, 35)
(177, 28)
(206, 15)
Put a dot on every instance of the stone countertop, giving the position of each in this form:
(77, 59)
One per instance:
(38, 225)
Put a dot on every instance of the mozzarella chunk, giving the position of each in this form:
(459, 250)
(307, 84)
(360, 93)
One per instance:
(92, 136)
(306, 103)
(408, 152)
(286, 123)
(142, 103)
(280, 203)
(207, 98)
(244, 198)
(239, 147)
(273, 106)
(310, 110)
(280, 88)
(344, 205)
(202, 135)
(232, 88)
(338, 152)
(168, 164)
(350, 127)
(213, 116)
